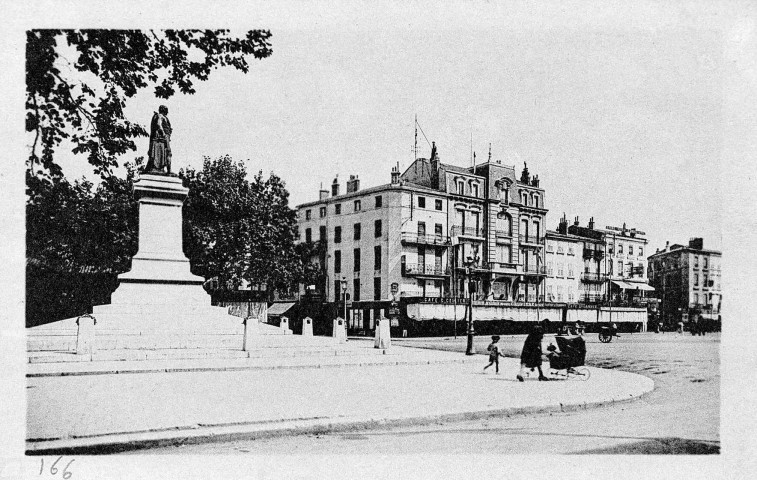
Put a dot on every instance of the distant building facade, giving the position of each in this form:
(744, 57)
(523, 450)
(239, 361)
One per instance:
(687, 281)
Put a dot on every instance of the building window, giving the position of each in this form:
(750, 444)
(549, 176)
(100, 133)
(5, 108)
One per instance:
(560, 269)
(610, 249)
(570, 271)
(357, 205)
(377, 257)
(696, 260)
(338, 208)
(474, 190)
(570, 296)
(571, 251)
(620, 248)
(337, 261)
(337, 234)
(559, 293)
(620, 268)
(438, 230)
(377, 228)
(705, 262)
(641, 252)
(308, 235)
(356, 232)
(379, 201)
(536, 201)
(322, 233)
(322, 212)
(461, 187)
(356, 290)
(551, 247)
(377, 288)
(696, 299)
(524, 198)
(356, 252)
(308, 214)
(549, 268)
(421, 202)
(337, 291)
(421, 230)
(560, 249)
(696, 280)
(630, 249)
(438, 204)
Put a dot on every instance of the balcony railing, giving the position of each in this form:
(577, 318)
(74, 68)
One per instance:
(593, 277)
(500, 265)
(419, 238)
(420, 269)
(467, 231)
(533, 268)
(592, 253)
(532, 239)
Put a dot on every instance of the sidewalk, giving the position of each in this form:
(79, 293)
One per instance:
(106, 412)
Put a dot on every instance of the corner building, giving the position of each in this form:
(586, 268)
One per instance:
(421, 228)
(687, 281)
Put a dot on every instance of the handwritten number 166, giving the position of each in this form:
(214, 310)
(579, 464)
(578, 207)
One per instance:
(54, 469)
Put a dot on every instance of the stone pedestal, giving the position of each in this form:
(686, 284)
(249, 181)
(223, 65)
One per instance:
(307, 327)
(85, 335)
(159, 303)
(340, 330)
(284, 326)
(382, 338)
(251, 332)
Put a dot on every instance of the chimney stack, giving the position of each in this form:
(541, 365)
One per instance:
(353, 184)
(667, 246)
(696, 243)
(335, 187)
(591, 223)
(396, 174)
(323, 194)
(576, 221)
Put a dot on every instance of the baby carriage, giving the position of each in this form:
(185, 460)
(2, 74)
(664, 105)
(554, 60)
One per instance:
(569, 359)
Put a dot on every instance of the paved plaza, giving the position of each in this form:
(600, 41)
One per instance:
(106, 412)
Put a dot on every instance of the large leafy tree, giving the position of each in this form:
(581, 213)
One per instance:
(238, 229)
(77, 82)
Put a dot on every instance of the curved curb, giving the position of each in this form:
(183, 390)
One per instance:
(114, 443)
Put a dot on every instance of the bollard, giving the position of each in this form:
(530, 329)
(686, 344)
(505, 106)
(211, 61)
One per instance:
(85, 334)
(284, 325)
(340, 330)
(250, 333)
(307, 327)
(383, 337)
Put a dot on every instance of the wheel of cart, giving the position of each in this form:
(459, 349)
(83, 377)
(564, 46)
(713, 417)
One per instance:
(605, 335)
(580, 373)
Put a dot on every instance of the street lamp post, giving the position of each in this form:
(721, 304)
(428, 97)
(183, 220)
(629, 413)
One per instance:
(344, 299)
(470, 263)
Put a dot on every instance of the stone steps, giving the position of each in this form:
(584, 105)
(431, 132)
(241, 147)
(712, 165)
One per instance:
(200, 353)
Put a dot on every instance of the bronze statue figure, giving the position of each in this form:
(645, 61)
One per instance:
(159, 155)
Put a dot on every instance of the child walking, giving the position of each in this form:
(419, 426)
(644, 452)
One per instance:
(494, 354)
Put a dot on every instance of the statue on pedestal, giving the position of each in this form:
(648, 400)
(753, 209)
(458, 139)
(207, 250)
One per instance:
(159, 154)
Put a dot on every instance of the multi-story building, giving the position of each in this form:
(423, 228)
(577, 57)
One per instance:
(563, 261)
(625, 263)
(687, 281)
(421, 231)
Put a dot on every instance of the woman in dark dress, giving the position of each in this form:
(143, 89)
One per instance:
(530, 358)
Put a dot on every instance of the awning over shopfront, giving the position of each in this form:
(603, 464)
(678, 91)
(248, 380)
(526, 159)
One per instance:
(633, 286)
(279, 308)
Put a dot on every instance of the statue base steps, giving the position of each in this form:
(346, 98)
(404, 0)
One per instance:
(309, 351)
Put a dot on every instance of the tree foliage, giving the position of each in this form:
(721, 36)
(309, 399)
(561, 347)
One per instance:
(81, 99)
(237, 229)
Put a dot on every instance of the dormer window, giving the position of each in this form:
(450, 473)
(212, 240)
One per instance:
(460, 187)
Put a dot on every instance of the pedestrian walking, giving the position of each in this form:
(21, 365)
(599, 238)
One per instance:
(680, 327)
(530, 357)
(494, 354)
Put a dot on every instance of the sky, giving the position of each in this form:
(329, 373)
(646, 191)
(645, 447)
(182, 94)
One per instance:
(621, 120)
